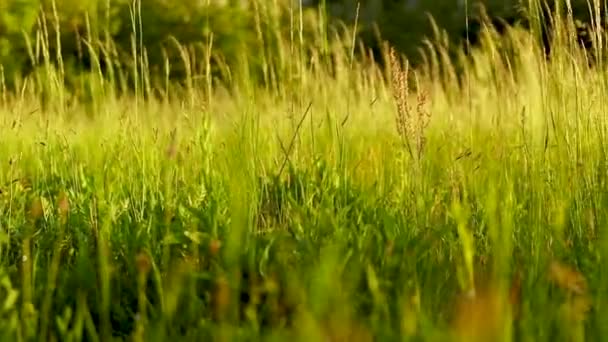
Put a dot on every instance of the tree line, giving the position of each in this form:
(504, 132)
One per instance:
(85, 35)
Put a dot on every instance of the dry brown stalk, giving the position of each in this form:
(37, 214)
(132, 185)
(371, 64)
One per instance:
(411, 121)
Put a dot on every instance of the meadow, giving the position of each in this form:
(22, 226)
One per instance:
(458, 200)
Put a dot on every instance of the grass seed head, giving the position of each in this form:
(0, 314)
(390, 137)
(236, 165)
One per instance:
(143, 263)
(411, 122)
(567, 278)
(63, 206)
(171, 151)
(36, 209)
(214, 247)
(400, 92)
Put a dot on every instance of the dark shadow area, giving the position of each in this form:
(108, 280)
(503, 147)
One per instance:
(409, 25)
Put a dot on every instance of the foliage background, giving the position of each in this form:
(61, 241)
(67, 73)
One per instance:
(220, 33)
(296, 212)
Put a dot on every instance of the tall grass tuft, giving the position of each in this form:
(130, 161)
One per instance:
(322, 203)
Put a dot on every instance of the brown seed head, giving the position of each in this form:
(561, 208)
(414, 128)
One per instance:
(214, 247)
(143, 263)
(36, 209)
(567, 278)
(171, 150)
(400, 91)
(63, 205)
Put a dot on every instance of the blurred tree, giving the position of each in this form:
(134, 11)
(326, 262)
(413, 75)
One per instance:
(94, 33)
(404, 23)
(101, 33)
(17, 20)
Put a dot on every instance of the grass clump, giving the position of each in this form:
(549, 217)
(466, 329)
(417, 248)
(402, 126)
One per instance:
(236, 212)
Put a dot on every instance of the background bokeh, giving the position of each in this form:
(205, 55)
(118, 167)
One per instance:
(94, 32)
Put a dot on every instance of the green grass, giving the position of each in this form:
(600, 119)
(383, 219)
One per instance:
(297, 212)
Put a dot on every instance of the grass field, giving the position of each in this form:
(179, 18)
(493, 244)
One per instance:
(347, 203)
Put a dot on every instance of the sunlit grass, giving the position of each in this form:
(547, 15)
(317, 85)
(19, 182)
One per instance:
(237, 212)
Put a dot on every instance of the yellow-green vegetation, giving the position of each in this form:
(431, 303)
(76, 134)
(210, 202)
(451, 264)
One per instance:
(339, 200)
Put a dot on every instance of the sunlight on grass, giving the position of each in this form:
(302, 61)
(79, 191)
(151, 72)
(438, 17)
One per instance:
(343, 200)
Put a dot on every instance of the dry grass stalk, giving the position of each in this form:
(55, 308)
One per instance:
(400, 92)
(411, 121)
